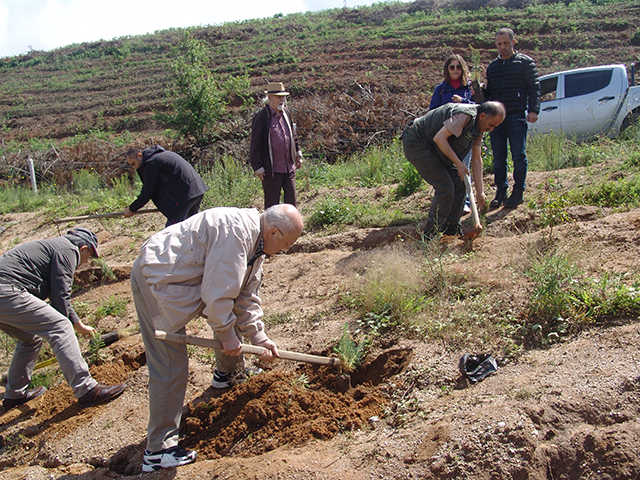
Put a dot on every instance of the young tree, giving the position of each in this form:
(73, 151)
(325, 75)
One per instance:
(200, 98)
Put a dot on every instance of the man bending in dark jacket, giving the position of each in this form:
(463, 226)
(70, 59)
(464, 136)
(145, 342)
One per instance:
(169, 180)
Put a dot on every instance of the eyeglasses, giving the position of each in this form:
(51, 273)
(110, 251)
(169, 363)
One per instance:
(455, 67)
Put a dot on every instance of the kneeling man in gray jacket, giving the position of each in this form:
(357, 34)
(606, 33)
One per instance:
(209, 264)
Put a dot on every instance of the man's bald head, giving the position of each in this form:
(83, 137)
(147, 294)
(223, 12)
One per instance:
(282, 225)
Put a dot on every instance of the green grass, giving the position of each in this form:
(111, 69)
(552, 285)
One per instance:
(614, 193)
(389, 289)
(565, 299)
(230, 184)
(114, 307)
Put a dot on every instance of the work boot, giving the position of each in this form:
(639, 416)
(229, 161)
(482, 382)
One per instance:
(453, 230)
(501, 194)
(9, 403)
(430, 231)
(514, 199)
(101, 394)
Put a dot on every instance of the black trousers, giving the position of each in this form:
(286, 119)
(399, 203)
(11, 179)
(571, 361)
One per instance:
(273, 186)
(185, 211)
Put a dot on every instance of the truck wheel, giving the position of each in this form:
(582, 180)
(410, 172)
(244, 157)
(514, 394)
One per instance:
(631, 119)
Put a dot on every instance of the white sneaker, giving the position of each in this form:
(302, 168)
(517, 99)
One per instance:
(168, 458)
(225, 380)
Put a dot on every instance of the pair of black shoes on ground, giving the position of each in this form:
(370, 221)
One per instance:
(98, 394)
(431, 231)
(515, 199)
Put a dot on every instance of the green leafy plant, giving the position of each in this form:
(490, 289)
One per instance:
(332, 211)
(81, 308)
(301, 381)
(199, 100)
(351, 354)
(107, 272)
(564, 299)
(112, 307)
(551, 205)
(94, 354)
(410, 182)
(48, 377)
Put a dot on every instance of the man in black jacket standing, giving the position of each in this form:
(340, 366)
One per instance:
(29, 274)
(274, 151)
(169, 180)
(512, 79)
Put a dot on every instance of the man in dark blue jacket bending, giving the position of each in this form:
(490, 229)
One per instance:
(169, 180)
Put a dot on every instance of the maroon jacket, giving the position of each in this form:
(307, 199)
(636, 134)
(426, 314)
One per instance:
(260, 154)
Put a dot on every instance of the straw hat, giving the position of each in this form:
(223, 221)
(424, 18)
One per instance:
(276, 88)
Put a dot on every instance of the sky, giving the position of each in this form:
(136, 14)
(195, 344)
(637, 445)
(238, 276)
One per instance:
(27, 25)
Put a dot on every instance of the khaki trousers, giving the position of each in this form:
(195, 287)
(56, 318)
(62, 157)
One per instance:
(28, 319)
(168, 364)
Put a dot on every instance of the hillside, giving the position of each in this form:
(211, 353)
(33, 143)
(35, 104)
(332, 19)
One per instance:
(356, 75)
(567, 411)
(564, 403)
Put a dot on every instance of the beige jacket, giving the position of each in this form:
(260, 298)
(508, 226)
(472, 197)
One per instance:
(200, 266)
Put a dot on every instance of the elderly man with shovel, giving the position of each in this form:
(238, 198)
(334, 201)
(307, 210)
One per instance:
(210, 264)
(435, 143)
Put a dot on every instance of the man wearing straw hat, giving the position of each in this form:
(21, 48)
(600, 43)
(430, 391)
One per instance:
(275, 151)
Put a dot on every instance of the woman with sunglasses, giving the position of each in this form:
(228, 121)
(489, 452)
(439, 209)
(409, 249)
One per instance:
(455, 87)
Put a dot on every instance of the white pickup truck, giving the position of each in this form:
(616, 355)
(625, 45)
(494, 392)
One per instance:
(587, 102)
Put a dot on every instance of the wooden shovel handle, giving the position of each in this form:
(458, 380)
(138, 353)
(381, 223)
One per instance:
(252, 349)
(101, 215)
(472, 202)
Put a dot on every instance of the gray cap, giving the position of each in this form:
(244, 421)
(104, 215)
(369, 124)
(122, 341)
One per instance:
(88, 237)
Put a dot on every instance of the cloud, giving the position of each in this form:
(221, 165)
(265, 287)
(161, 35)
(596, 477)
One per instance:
(50, 24)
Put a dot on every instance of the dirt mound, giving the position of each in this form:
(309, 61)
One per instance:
(276, 409)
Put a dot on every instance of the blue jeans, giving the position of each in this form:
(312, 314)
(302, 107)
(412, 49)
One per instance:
(514, 129)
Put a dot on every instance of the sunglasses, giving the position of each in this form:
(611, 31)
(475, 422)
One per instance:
(455, 67)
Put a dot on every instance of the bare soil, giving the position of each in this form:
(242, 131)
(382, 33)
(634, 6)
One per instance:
(566, 412)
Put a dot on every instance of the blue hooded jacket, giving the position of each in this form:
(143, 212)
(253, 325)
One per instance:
(444, 92)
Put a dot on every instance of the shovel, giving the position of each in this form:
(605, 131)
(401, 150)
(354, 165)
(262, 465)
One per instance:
(210, 343)
(104, 340)
(477, 226)
(101, 215)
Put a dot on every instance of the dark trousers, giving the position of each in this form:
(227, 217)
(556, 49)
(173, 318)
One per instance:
(273, 186)
(513, 130)
(185, 211)
(449, 189)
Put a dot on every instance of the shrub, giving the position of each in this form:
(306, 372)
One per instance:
(231, 184)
